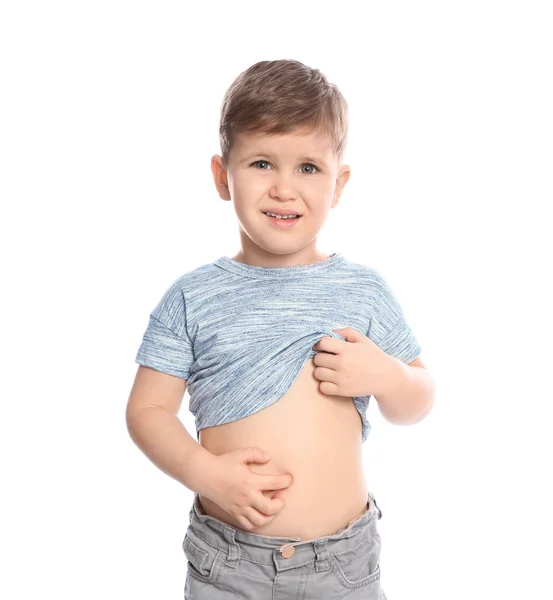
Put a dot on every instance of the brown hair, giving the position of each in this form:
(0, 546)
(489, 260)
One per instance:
(280, 96)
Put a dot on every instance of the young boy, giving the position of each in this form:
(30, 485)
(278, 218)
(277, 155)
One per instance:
(281, 347)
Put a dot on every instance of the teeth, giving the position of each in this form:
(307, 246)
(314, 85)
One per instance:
(280, 216)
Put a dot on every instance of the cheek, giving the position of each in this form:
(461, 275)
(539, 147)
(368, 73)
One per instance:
(249, 187)
(318, 189)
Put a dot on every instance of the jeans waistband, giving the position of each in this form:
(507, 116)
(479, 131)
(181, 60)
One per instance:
(285, 552)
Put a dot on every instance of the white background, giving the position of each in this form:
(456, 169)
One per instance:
(108, 121)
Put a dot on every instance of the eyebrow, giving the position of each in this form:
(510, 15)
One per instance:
(271, 156)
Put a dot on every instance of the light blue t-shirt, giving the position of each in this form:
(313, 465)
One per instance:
(240, 334)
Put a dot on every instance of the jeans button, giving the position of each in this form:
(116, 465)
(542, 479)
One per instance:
(288, 552)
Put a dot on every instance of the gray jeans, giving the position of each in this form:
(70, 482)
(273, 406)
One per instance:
(224, 562)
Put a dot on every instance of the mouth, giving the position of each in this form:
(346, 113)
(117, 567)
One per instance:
(283, 223)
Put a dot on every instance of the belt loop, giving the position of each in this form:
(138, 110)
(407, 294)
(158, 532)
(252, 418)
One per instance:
(323, 562)
(233, 559)
(378, 507)
(371, 496)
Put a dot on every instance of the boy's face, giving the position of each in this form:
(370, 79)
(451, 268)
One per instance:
(295, 171)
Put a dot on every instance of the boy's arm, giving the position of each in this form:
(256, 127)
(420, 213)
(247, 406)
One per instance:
(154, 426)
(410, 394)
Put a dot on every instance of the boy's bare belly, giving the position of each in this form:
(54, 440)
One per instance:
(316, 438)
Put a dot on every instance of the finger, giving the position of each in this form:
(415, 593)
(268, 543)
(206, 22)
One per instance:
(330, 389)
(245, 523)
(328, 344)
(325, 374)
(274, 482)
(324, 359)
(271, 506)
(255, 516)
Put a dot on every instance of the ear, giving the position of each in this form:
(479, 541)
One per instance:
(220, 177)
(343, 177)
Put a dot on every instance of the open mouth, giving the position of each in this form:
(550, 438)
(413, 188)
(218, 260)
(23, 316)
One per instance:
(284, 223)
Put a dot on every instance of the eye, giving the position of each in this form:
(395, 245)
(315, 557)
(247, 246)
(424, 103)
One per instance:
(310, 165)
(257, 162)
(304, 164)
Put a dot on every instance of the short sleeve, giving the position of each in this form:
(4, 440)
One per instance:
(388, 327)
(165, 344)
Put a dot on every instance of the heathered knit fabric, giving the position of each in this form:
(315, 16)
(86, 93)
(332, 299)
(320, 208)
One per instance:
(240, 334)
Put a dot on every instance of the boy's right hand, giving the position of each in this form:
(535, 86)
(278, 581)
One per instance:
(238, 490)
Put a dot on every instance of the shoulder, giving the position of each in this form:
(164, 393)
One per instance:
(368, 276)
(190, 280)
(171, 306)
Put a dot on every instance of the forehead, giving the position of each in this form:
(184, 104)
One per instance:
(292, 144)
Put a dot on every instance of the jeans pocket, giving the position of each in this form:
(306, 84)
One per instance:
(202, 559)
(359, 566)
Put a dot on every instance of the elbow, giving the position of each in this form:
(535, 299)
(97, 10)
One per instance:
(412, 417)
(132, 421)
(427, 409)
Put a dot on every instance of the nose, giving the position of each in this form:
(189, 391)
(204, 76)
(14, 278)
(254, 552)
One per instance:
(282, 188)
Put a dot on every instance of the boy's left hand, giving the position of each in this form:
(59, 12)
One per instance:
(357, 367)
